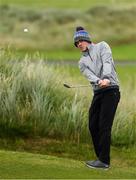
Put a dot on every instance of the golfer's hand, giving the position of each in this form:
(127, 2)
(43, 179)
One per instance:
(104, 83)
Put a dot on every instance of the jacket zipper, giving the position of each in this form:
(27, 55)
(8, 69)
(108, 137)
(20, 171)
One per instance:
(90, 55)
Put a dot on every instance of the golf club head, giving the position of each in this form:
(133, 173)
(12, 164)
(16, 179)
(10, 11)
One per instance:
(66, 85)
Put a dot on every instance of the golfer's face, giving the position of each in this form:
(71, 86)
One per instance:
(82, 45)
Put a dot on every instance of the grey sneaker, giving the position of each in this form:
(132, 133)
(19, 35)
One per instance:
(97, 164)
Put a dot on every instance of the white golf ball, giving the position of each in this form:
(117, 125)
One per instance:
(25, 30)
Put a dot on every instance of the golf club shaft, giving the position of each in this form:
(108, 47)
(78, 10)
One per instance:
(75, 86)
(79, 86)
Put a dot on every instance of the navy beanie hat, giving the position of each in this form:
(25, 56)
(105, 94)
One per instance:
(81, 35)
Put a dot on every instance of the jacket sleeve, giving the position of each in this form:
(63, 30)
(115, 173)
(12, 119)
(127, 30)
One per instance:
(88, 73)
(107, 60)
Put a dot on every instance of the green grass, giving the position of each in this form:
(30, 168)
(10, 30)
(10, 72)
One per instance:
(124, 52)
(126, 73)
(51, 55)
(120, 52)
(27, 165)
(77, 4)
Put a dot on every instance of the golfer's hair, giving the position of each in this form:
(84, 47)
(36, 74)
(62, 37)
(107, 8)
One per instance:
(79, 28)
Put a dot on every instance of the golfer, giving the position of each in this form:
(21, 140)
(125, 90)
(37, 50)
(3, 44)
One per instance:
(97, 65)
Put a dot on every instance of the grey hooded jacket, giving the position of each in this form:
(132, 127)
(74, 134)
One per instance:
(97, 63)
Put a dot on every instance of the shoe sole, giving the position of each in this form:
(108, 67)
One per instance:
(92, 167)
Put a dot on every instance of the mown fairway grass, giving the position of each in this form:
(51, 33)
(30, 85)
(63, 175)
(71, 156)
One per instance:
(121, 52)
(28, 165)
(78, 4)
(124, 52)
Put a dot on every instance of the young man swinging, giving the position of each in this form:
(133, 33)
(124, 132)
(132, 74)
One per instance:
(98, 67)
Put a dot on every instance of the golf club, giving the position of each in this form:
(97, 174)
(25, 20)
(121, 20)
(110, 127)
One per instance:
(75, 86)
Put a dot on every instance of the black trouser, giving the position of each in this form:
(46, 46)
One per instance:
(101, 115)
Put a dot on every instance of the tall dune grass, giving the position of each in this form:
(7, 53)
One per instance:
(33, 102)
(124, 127)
